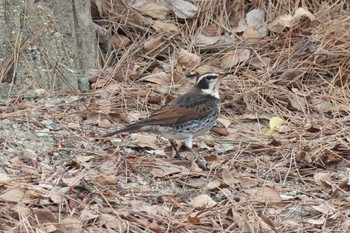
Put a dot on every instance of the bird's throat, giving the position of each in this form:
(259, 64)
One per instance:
(214, 93)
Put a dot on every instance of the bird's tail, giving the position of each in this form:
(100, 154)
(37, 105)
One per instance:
(129, 129)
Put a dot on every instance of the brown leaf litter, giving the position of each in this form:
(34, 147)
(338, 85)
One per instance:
(290, 60)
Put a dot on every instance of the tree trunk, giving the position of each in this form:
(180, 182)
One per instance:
(44, 45)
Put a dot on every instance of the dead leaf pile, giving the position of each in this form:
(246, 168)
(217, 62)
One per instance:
(277, 160)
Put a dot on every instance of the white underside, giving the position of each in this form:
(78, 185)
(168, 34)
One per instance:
(169, 134)
(182, 136)
(214, 93)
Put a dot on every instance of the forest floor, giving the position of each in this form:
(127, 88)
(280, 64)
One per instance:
(290, 61)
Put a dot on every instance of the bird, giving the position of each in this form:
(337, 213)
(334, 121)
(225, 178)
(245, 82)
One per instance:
(186, 117)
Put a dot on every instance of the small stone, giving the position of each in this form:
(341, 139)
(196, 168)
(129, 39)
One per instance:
(4, 177)
(72, 125)
(83, 84)
(54, 126)
(43, 132)
(51, 125)
(29, 153)
(46, 122)
(40, 92)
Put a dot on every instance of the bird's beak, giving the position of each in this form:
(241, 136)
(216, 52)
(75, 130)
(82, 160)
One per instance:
(224, 74)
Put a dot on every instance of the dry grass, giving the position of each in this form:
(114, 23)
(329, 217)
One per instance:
(295, 180)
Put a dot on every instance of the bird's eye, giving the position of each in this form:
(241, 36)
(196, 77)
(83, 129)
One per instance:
(209, 77)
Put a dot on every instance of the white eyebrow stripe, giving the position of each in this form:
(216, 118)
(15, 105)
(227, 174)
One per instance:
(206, 75)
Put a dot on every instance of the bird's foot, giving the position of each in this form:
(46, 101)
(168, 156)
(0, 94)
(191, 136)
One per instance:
(198, 160)
(174, 146)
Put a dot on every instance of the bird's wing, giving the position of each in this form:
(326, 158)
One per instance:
(182, 111)
(172, 115)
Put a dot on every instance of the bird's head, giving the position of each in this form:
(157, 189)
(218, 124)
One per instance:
(209, 83)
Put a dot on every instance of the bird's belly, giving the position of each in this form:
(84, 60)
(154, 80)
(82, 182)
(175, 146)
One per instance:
(175, 135)
(195, 127)
(166, 131)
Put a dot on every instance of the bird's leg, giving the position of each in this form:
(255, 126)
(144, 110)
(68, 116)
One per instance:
(197, 159)
(189, 144)
(174, 146)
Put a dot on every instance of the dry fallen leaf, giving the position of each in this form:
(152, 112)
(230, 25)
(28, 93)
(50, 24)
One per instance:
(267, 194)
(247, 182)
(212, 185)
(165, 169)
(44, 216)
(161, 78)
(203, 201)
(268, 221)
(112, 88)
(211, 30)
(326, 105)
(233, 57)
(104, 106)
(323, 179)
(99, 82)
(304, 156)
(116, 223)
(225, 122)
(72, 224)
(194, 219)
(220, 131)
(286, 21)
(325, 208)
(110, 179)
(187, 59)
(280, 23)
(194, 166)
(301, 12)
(250, 33)
(93, 118)
(288, 77)
(145, 140)
(260, 62)
(183, 9)
(253, 26)
(154, 10)
(297, 102)
(256, 24)
(230, 179)
(203, 40)
(57, 193)
(16, 195)
(255, 18)
(119, 41)
(197, 182)
(88, 214)
(152, 43)
(160, 26)
(130, 117)
(207, 68)
(224, 147)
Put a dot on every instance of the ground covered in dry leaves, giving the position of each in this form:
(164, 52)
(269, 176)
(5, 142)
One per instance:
(290, 60)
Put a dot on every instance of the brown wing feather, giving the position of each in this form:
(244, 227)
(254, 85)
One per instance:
(184, 108)
(172, 114)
